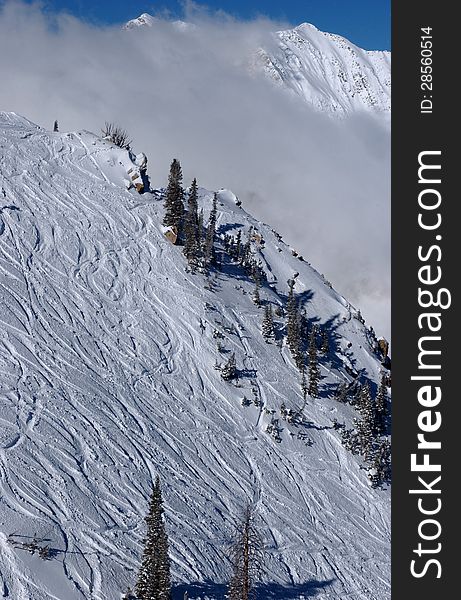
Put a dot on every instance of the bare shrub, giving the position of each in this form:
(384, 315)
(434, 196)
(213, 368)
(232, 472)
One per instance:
(116, 135)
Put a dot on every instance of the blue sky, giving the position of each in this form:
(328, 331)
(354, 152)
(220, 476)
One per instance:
(364, 22)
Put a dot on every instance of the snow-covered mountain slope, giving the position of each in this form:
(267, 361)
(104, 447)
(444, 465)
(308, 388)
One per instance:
(326, 70)
(107, 378)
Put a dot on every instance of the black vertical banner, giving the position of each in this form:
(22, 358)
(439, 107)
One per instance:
(426, 335)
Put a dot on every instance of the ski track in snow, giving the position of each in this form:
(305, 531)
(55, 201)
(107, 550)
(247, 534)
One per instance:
(107, 380)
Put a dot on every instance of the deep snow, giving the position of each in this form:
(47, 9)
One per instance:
(107, 380)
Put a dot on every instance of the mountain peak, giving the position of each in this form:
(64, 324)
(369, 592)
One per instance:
(144, 20)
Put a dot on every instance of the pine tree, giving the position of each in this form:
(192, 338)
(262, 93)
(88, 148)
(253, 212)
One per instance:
(381, 407)
(174, 205)
(341, 392)
(304, 387)
(314, 371)
(256, 297)
(349, 440)
(380, 465)
(245, 250)
(325, 344)
(366, 426)
(293, 326)
(154, 575)
(211, 233)
(56, 126)
(200, 226)
(129, 595)
(268, 328)
(238, 244)
(229, 370)
(246, 554)
(192, 248)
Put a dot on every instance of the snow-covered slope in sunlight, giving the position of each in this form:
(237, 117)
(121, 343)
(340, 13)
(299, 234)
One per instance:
(107, 359)
(328, 71)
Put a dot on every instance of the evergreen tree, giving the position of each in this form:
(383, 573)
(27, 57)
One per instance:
(257, 281)
(349, 439)
(325, 344)
(341, 392)
(245, 250)
(154, 575)
(293, 326)
(129, 595)
(381, 407)
(268, 328)
(246, 554)
(56, 126)
(200, 226)
(314, 371)
(191, 228)
(174, 205)
(304, 387)
(380, 464)
(211, 233)
(366, 426)
(238, 244)
(229, 370)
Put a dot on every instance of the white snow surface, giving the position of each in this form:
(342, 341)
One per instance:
(328, 71)
(107, 380)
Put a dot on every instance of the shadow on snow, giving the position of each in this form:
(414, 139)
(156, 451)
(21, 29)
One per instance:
(275, 591)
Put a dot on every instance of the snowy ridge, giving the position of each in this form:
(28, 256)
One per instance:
(108, 379)
(328, 71)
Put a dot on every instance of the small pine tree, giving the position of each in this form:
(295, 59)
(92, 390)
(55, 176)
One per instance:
(325, 344)
(368, 409)
(349, 440)
(229, 370)
(304, 387)
(341, 392)
(256, 297)
(366, 426)
(245, 250)
(174, 205)
(154, 581)
(211, 233)
(56, 126)
(293, 326)
(380, 465)
(192, 248)
(314, 371)
(246, 554)
(200, 226)
(268, 327)
(238, 245)
(381, 407)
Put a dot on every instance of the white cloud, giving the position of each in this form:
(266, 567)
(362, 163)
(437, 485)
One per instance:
(186, 93)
